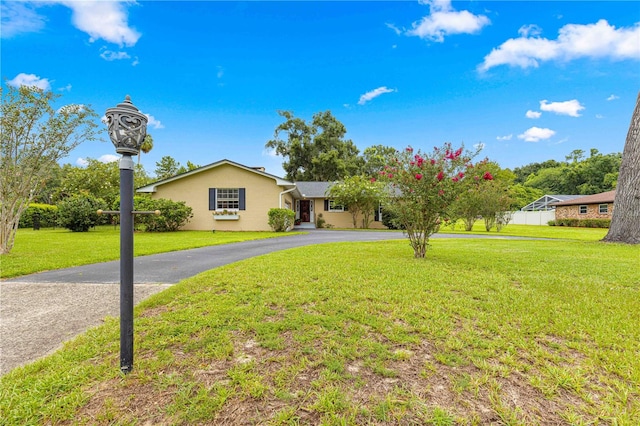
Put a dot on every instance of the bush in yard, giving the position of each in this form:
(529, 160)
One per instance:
(79, 213)
(46, 214)
(280, 220)
(389, 219)
(173, 215)
(422, 189)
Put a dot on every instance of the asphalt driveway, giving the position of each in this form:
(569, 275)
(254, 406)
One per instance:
(39, 312)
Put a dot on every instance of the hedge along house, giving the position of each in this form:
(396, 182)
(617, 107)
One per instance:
(597, 206)
(229, 196)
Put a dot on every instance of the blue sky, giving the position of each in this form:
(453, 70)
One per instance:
(531, 81)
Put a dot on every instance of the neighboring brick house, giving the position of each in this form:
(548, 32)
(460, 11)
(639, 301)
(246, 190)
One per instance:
(596, 206)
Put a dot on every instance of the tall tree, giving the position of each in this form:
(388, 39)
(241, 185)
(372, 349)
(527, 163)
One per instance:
(361, 195)
(167, 167)
(376, 157)
(316, 151)
(35, 136)
(625, 222)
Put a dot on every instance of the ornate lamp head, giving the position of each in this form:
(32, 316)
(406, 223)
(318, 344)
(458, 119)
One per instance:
(127, 127)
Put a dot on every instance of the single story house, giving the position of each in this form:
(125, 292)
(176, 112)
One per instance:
(596, 206)
(228, 196)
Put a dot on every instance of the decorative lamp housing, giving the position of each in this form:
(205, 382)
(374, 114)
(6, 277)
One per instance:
(127, 127)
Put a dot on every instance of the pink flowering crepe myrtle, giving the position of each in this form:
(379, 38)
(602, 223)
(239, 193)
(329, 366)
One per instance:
(423, 186)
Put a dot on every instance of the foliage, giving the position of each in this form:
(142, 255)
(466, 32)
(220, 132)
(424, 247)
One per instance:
(280, 220)
(45, 215)
(575, 176)
(581, 223)
(375, 158)
(310, 340)
(35, 135)
(315, 151)
(484, 198)
(390, 219)
(79, 213)
(423, 188)
(522, 195)
(361, 195)
(146, 147)
(320, 221)
(167, 167)
(173, 214)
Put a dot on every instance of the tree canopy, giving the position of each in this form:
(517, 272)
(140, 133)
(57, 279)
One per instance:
(35, 136)
(316, 151)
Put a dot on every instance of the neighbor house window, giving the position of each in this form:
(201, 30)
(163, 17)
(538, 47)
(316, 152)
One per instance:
(335, 207)
(583, 209)
(603, 209)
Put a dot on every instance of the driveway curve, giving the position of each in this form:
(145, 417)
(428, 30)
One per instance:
(39, 312)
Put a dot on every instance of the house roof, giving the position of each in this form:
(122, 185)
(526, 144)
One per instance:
(258, 170)
(603, 197)
(312, 189)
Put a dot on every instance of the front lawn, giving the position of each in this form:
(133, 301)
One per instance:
(480, 332)
(47, 249)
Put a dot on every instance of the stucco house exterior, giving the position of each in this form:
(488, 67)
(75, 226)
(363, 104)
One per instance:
(228, 196)
(596, 206)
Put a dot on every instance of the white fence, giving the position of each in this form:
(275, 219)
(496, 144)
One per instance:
(532, 218)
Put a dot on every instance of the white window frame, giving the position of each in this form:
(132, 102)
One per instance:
(333, 207)
(227, 199)
(603, 209)
(580, 208)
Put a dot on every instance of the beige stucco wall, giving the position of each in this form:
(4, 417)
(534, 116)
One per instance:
(573, 212)
(262, 194)
(343, 219)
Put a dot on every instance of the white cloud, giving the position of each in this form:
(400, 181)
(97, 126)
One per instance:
(613, 98)
(394, 28)
(109, 55)
(81, 162)
(536, 134)
(479, 146)
(18, 18)
(599, 40)
(533, 114)
(108, 158)
(374, 94)
(269, 152)
(444, 20)
(599, 116)
(504, 138)
(571, 108)
(156, 124)
(23, 79)
(66, 88)
(220, 72)
(106, 20)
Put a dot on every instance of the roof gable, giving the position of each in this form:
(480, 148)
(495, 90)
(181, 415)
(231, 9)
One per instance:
(603, 197)
(153, 186)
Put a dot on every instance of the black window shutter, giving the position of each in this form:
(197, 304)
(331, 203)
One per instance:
(242, 195)
(376, 214)
(212, 198)
(326, 205)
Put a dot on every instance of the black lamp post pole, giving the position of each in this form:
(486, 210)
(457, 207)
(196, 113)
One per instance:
(127, 129)
(126, 263)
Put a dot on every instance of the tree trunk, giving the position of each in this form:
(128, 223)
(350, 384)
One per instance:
(625, 222)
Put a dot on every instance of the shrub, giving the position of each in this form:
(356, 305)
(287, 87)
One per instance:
(320, 222)
(79, 213)
(389, 219)
(581, 223)
(44, 214)
(173, 215)
(280, 220)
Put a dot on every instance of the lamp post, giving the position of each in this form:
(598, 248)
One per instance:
(127, 129)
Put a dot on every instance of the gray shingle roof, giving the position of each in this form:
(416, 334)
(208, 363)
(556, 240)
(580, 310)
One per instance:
(313, 189)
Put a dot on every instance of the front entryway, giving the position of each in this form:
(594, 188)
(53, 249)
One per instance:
(306, 211)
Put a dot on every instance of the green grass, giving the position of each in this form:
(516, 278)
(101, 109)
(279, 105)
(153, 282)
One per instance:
(48, 249)
(480, 332)
(563, 232)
